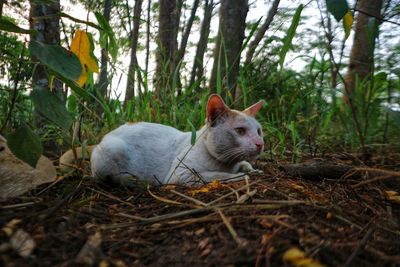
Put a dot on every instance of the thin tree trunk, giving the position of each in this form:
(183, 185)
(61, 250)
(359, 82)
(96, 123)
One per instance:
(167, 46)
(103, 80)
(198, 68)
(232, 23)
(130, 86)
(362, 52)
(185, 38)
(261, 32)
(2, 2)
(148, 36)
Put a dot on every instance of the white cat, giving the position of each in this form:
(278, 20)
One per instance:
(161, 154)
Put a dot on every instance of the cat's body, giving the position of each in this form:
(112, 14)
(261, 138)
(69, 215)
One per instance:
(161, 154)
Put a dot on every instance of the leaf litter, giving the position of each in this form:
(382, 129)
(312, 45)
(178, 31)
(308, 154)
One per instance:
(271, 219)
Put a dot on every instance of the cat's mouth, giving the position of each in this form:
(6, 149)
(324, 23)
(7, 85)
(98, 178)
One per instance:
(253, 156)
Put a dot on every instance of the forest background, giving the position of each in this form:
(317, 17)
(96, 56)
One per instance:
(62, 72)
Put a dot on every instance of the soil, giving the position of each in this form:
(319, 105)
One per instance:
(343, 220)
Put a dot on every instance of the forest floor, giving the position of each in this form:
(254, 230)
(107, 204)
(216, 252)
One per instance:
(339, 212)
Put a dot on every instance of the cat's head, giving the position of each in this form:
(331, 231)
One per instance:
(233, 135)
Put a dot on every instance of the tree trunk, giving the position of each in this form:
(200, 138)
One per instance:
(167, 46)
(198, 69)
(2, 2)
(362, 52)
(103, 80)
(148, 37)
(185, 38)
(261, 32)
(232, 23)
(130, 86)
(48, 32)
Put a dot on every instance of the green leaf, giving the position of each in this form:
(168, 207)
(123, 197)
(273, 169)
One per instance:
(338, 8)
(57, 58)
(25, 145)
(193, 130)
(8, 26)
(289, 36)
(107, 34)
(51, 107)
(74, 87)
(372, 31)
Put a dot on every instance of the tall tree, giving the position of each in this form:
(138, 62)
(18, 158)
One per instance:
(198, 68)
(130, 86)
(261, 31)
(103, 80)
(167, 45)
(362, 52)
(232, 24)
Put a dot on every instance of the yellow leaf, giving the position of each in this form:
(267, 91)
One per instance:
(298, 258)
(8, 229)
(347, 23)
(80, 46)
(215, 184)
(393, 196)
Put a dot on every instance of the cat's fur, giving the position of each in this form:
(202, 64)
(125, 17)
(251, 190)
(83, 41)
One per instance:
(161, 154)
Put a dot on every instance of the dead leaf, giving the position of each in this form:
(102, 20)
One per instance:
(299, 258)
(91, 250)
(203, 243)
(200, 231)
(8, 229)
(392, 196)
(215, 184)
(17, 177)
(22, 243)
(265, 238)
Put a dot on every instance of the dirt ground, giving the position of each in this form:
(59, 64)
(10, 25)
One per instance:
(341, 213)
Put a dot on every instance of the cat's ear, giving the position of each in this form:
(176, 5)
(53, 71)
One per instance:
(216, 109)
(253, 110)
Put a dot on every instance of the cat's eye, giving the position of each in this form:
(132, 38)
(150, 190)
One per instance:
(259, 131)
(240, 130)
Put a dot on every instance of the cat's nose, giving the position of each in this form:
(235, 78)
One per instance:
(259, 146)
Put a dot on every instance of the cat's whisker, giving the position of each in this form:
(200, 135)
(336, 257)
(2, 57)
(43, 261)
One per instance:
(230, 155)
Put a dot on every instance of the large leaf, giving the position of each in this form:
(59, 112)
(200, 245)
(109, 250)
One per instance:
(57, 58)
(290, 34)
(25, 145)
(8, 26)
(338, 8)
(83, 49)
(51, 107)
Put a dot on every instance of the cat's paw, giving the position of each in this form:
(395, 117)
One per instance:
(243, 166)
(256, 171)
